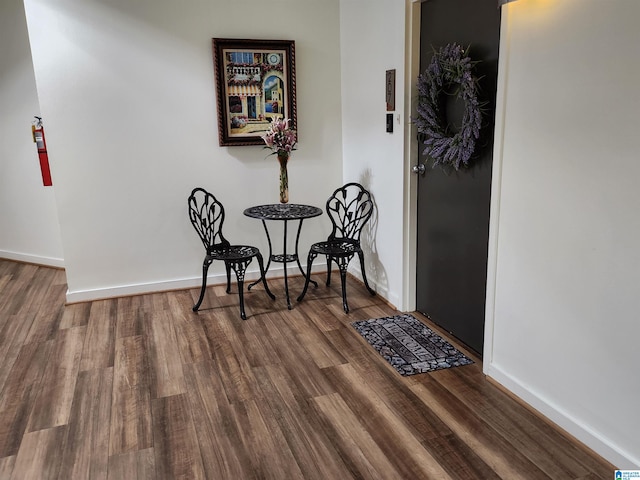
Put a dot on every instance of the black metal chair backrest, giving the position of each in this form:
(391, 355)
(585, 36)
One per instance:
(349, 209)
(207, 216)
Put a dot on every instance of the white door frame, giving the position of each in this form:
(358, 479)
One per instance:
(411, 157)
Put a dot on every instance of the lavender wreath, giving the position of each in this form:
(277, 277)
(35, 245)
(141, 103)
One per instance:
(449, 66)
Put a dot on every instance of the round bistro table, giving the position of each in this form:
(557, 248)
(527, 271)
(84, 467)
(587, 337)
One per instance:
(283, 212)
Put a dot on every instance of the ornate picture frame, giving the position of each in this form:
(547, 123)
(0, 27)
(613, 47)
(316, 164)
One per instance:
(255, 82)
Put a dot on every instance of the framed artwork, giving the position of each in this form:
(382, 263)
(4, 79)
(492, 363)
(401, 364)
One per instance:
(255, 83)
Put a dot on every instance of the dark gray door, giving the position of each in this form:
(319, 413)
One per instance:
(453, 206)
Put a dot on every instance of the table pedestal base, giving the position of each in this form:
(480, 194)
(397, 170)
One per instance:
(283, 212)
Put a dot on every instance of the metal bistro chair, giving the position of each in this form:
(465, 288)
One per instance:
(207, 216)
(349, 209)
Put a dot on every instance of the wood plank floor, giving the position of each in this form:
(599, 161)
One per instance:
(143, 388)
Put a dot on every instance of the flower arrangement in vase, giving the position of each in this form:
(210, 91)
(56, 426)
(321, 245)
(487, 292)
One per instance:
(281, 140)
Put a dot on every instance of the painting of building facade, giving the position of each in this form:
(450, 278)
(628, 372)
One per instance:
(255, 84)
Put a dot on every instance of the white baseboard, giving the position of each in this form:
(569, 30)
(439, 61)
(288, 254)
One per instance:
(78, 296)
(382, 290)
(35, 259)
(592, 439)
(178, 284)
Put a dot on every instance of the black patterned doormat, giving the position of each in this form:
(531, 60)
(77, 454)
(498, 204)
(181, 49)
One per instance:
(410, 346)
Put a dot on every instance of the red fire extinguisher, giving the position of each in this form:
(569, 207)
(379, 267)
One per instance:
(37, 131)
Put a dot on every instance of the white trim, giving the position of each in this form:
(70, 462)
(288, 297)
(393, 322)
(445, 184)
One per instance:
(496, 187)
(35, 259)
(381, 289)
(178, 284)
(412, 69)
(581, 431)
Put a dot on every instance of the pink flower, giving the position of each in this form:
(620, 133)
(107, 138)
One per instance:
(280, 138)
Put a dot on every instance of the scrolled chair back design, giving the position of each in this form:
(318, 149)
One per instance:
(207, 217)
(349, 209)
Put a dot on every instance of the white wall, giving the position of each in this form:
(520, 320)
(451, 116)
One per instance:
(29, 228)
(563, 303)
(128, 94)
(373, 41)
